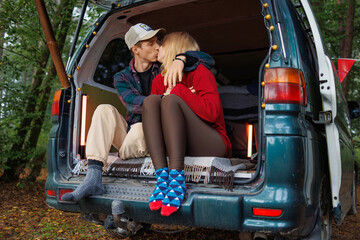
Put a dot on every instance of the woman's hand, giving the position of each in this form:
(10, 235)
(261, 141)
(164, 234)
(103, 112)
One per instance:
(168, 90)
(175, 72)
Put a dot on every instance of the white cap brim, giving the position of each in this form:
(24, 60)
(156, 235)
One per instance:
(160, 32)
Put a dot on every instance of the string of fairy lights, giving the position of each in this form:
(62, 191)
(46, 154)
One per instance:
(270, 28)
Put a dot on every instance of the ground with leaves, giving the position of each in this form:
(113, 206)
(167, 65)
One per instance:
(25, 215)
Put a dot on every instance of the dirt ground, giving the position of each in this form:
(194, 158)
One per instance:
(25, 215)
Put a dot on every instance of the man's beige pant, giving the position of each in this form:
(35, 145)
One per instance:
(108, 128)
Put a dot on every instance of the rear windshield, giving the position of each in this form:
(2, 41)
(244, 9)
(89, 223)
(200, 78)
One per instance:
(114, 59)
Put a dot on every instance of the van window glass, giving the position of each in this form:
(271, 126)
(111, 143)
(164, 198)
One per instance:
(311, 52)
(115, 58)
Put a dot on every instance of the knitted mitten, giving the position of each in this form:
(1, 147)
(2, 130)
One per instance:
(162, 176)
(175, 193)
(92, 184)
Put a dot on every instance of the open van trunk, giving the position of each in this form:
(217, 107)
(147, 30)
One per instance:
(233, 34)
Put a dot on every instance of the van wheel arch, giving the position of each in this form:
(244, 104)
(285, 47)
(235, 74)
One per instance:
(323, 225)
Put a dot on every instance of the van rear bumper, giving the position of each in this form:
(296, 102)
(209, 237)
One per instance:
(229, 211)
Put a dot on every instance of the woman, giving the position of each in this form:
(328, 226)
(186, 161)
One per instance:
(186, 120)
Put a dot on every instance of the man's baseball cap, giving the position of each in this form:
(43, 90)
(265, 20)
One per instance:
(140, 32)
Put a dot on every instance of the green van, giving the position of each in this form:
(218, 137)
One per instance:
(293, 168)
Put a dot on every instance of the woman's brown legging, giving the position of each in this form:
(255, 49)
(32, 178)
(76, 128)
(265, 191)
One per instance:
(171, 127)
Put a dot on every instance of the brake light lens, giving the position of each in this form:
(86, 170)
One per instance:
(267, 212)
(284, 85)
(62, 191)
(51, 193)
(56, 103)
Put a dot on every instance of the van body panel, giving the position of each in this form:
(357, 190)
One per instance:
(283, 119)
(214, 210)
(294, 151)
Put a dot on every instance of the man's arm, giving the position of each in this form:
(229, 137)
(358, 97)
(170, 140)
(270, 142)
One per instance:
(194, 58)
(128, 94)
(186, 62)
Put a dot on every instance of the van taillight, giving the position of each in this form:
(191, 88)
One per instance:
(51, 193)
(62, 191)
(284, 85)
(266, 212)
(56, 103)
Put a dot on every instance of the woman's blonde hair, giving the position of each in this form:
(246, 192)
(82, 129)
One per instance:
(175, 43)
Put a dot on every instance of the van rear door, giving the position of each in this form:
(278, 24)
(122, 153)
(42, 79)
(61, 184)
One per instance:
(336, 120)
(110, 4)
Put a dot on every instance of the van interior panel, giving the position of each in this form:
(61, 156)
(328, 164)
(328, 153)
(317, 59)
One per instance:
(236, 37)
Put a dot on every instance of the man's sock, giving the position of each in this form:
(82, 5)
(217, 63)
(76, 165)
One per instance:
(175, 193)
(92, 184)
(162, 176)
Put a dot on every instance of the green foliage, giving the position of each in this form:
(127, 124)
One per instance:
(357, 154)
(330, 15)
(12, 94)
(21, 39)
(20, 185)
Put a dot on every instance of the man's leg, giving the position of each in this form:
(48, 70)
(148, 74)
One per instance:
(134, 145)
(107, 128)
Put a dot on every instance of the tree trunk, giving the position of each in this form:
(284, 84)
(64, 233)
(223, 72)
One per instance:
(44, 97)
(346, 45)
(2, 34)
(16, 164)
(36, 168)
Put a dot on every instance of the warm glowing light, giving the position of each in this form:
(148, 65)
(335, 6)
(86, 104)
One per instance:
(250, 140)
(83, 120)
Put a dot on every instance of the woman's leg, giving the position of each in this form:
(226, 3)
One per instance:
(151, 118)
(187, 134)
(155, 142)
(184, 133)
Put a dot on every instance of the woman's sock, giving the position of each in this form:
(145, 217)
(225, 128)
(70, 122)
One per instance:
(92, 184)
(162, 176)
(175, 193)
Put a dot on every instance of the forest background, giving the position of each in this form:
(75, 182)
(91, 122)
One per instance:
(28, 77)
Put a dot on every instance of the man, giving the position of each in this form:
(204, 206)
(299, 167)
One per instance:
(133, 84)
